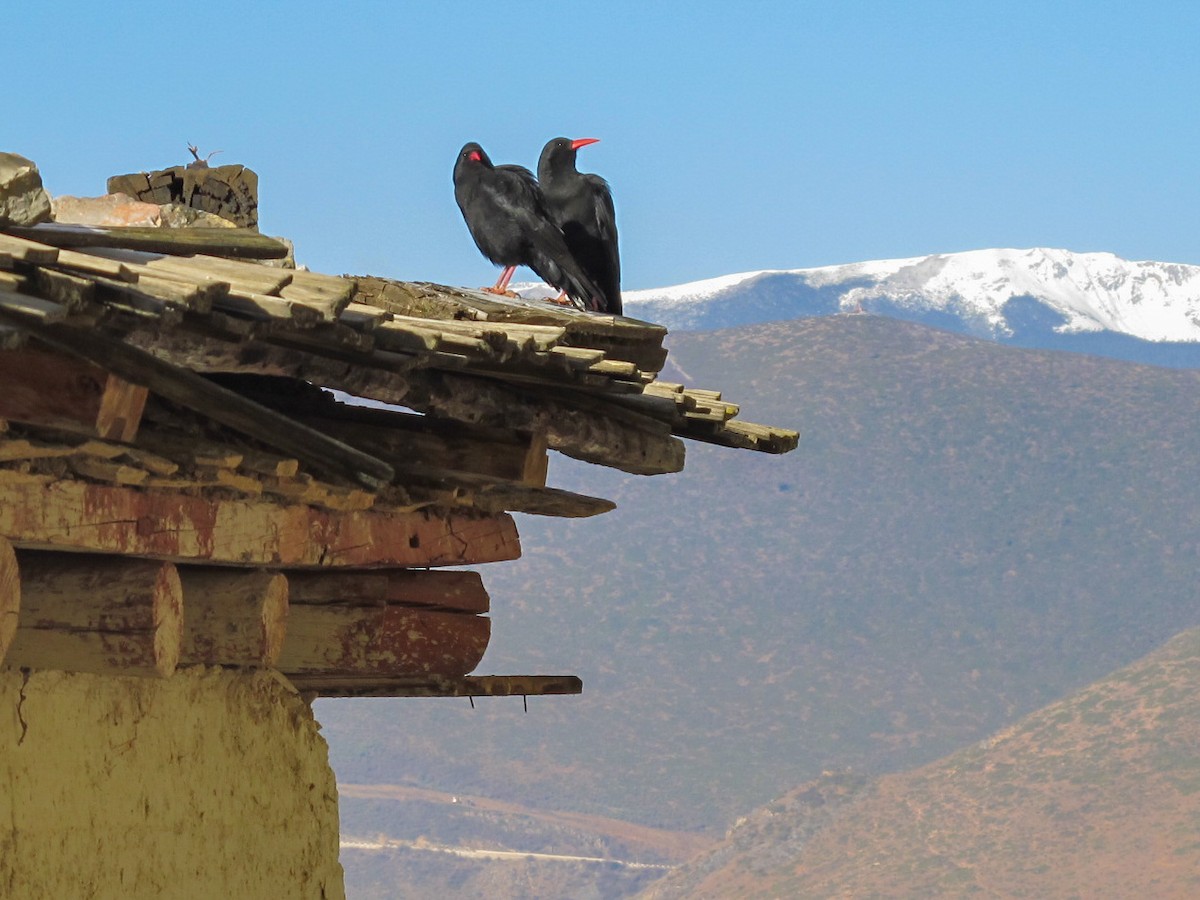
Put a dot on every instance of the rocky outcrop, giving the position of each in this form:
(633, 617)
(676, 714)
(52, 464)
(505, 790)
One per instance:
(23, 200)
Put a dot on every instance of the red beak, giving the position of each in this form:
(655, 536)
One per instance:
(583, 142)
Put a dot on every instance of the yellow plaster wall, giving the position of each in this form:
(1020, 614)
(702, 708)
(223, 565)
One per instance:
(209, 784)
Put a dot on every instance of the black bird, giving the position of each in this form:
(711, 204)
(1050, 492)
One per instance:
(507, 216)
(582, 205)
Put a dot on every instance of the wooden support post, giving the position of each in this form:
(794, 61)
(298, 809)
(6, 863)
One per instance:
(381, 640)
(42, 387)
(10, 596)
(232, 617)
(100, 614)
(46, 388)
(120, 409)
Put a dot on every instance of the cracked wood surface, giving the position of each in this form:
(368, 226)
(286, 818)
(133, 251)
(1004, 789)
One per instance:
(72, 515)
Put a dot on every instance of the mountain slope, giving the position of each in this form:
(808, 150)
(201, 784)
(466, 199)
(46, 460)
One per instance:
(1094, 796)
(966, 533)
(1054, 299)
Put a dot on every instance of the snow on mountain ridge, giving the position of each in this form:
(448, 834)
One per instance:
(1091, 291)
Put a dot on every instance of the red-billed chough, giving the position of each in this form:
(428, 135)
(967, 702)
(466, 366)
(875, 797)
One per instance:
(582, 206)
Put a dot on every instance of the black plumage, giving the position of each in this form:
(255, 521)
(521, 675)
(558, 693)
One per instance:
(507, 216)
(582, 206)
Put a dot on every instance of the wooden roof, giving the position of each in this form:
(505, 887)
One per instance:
(167, 398)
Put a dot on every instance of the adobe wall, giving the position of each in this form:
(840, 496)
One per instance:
(207, 784)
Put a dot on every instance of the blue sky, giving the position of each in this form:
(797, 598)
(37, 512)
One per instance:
(736, 136)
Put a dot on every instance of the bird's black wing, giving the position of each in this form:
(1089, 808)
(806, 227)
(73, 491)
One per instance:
(606, 229)
(518, 192)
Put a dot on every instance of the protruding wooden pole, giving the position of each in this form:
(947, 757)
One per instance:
(232, 617)
(101, 614)
(10, 596)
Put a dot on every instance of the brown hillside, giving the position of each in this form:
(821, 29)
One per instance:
(1095, 796)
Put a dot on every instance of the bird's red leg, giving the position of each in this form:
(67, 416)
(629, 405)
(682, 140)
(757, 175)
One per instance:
(501, 285)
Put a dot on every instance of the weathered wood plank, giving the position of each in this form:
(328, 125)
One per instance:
(746, 436)
(467, 686)
(26, 250)
(73, 515)
(32, 309)
(226, 242)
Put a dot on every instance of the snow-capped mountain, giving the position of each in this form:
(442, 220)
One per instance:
(1091, 302)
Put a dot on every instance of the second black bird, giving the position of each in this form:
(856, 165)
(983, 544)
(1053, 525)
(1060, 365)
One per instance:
(582, 206)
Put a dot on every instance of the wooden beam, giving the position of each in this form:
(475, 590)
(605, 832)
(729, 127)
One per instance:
(232, 617)
(188, 389)
(451, 591)
(75, 515)
(121, 407)
(10, 596)
(102, 614)
(611, 435)
(42, 387)
(467, 686)
(381, 641)
(238, 243)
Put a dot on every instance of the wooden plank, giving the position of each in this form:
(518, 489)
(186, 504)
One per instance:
(381, 640)
(231, 617)
(32, 309)
(71, 291)
(538, 501)
(100, 614)
(451, 591)
(326, 293)
(360, 315)
(264, 307)
(74, 515)
(225, 242)
(748, 436)
(91, 264)
(24, 249)
(246, 277)
(323, 685)
(107, 471)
